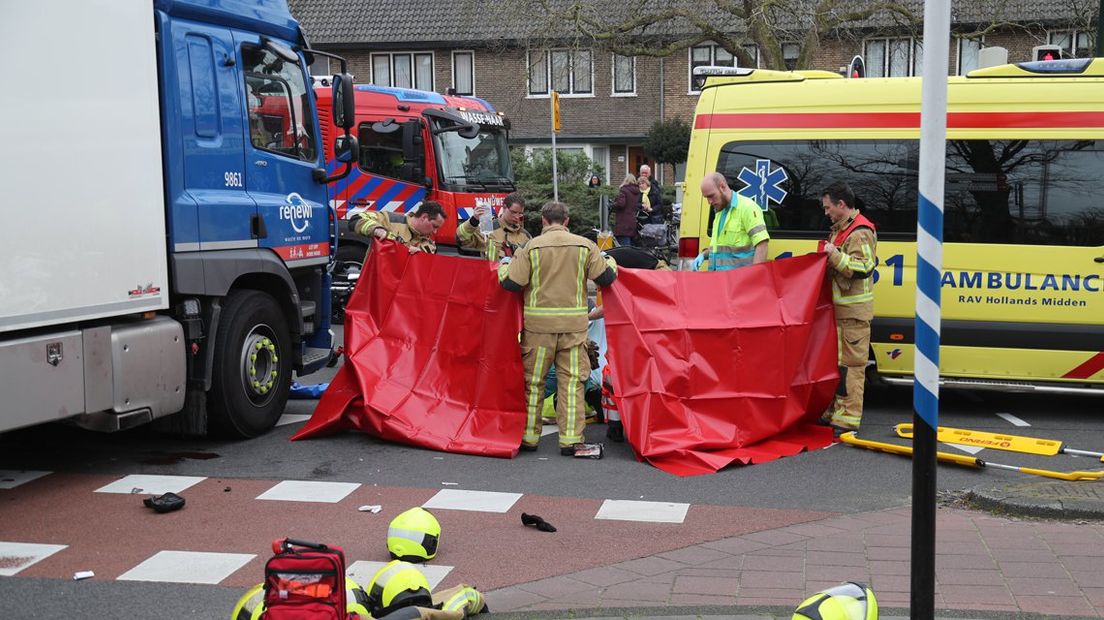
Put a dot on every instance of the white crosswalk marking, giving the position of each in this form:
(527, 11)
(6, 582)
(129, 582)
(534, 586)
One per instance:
(11, 478)
(651, 512)
(16, 556)
(310, 491)
(187, 567)
(1012, 419)
(149, 484)
(476, 501)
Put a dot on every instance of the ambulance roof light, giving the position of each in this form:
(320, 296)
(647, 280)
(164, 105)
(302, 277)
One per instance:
(1072, 65)
(701, 73)
(722, 70)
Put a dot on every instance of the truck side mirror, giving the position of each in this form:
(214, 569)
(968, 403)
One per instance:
(345, 149)
(344, 102)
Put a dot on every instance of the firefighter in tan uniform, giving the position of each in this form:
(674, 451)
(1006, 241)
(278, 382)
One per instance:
(552, 271)
(852, 247)
(415, 230)
(508, 235)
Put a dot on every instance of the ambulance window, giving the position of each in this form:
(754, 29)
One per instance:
(997, 191)
(1031, 192)
(1070, 212)
(279, 106)
(380, 153)
(786, 179)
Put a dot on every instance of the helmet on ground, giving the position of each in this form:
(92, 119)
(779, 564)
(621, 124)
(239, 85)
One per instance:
(413, 536)
(252, 602)
(398, 584)
(356, 599)
(847, 601)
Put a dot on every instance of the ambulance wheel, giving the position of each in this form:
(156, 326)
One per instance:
(349, 257)
(251, 378)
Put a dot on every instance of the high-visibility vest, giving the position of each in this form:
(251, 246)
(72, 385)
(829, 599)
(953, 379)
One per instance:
(740, 227)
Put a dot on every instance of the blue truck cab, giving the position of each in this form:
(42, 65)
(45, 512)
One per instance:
(199, 284)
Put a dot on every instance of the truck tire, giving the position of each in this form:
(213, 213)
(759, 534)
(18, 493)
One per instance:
(251, 378)
(349, 257)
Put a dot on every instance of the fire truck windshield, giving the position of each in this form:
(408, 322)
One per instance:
(482, 162)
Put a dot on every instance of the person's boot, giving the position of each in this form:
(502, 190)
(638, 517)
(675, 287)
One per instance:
(615, 431)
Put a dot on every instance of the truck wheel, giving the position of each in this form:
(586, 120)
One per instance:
(252, 373)
(349, 258)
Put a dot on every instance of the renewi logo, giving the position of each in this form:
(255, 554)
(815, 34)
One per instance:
(298, 212)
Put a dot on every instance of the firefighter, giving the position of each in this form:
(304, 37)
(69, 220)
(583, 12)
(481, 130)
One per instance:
(739, 233)
(852, 247)
(551, 272)
(508, 235)
(415, 229)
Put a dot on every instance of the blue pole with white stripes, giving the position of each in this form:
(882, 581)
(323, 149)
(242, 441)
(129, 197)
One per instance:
(929, 265)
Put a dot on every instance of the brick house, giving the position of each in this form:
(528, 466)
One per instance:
(609, 102)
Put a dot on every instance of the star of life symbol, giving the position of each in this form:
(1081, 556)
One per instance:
(763, 185)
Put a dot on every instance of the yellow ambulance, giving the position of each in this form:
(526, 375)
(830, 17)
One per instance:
(1023, 280)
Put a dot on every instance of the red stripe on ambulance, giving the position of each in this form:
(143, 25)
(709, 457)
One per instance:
(1092, 366)
(899, 120)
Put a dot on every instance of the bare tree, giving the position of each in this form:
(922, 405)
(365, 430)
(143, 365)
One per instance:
(652, 28)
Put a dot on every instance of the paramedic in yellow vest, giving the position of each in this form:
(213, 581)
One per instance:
(739, 233)
(415, 229)
(551, 272)
(852, 247)
(508, 235)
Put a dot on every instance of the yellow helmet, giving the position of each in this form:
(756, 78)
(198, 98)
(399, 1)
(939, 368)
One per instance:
(251, 601)
(413, 536)
(356, 599)
(847, 601)
(398, 584)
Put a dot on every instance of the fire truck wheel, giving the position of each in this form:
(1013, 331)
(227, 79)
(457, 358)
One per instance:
(252, 374)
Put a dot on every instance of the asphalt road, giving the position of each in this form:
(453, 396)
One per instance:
(836, 479)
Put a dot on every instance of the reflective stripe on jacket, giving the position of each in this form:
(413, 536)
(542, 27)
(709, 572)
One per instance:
(553, 269)
(852, 270)
(740, 227)
(503, 241)
(397, 226)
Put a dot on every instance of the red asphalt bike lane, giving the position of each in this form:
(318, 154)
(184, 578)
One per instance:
(110, 533)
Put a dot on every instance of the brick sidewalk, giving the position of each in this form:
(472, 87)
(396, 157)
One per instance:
(983, 563)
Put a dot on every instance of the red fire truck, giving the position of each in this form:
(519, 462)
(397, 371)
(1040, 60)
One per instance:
(415, 146)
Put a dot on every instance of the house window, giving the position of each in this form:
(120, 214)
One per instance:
(624, 75)
(790, 52)
(968, 50)
(403, 70)
(1074, 42)
(320, 67)
(893, 57)
(569, 72)
(715, 55)
(463, 73)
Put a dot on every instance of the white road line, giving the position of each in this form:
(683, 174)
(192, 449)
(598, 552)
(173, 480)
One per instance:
(967, 449)
(1012, 419)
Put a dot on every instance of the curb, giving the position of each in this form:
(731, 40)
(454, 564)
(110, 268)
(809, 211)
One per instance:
(1051, 499)
(720, 612)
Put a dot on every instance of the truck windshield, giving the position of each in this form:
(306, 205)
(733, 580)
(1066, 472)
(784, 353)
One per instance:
(482, 162)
